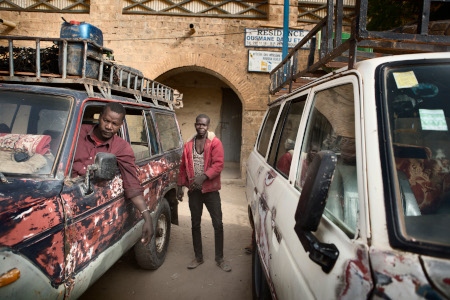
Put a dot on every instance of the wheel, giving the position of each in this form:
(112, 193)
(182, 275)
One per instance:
(260, 288)
(152, 255)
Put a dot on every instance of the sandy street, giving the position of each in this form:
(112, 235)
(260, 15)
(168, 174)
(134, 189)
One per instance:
(125, 280)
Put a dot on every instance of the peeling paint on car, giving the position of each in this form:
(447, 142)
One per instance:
(437, 272)
(357, 278)
(49, 222)
(400, 276)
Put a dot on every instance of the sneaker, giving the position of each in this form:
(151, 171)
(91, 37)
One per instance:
(195, 263)
(224, 266)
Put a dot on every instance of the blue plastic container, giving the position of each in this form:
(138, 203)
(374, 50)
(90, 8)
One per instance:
(81, 30)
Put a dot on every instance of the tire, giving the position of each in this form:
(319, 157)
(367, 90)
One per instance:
(152, 255)
(260, 288)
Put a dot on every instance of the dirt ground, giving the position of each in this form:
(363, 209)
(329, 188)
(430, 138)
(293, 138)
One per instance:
(125, 280)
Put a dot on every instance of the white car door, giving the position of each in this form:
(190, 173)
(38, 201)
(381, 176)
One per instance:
(258, 175)
(271, 178)
(333, 263)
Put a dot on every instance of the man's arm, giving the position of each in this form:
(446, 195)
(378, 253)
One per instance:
(182, 176)
(147, 229)
(133, 189)
(217, 158)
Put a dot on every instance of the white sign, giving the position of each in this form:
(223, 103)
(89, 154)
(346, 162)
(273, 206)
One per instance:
(433, 119)
(273, 37)
(263, 61)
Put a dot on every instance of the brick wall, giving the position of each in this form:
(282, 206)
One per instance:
(159, 46)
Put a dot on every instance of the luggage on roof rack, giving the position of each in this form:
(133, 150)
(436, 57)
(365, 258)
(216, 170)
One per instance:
(23, 59)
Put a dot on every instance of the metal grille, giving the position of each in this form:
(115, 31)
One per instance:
(215, 8)
(72, 6)
(315, 11)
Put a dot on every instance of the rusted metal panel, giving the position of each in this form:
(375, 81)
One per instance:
(400, 276)
(356, 282)
(32, 223)
(97, 221)
(437, 270)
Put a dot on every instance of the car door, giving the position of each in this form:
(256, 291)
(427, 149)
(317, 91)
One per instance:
(259, 175)
(96, 219)
(277, 182)
(331, 122)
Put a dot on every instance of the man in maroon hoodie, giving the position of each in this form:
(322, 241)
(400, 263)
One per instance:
(201, 165)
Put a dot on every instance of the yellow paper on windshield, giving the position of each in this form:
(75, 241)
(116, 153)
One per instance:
(405, 79)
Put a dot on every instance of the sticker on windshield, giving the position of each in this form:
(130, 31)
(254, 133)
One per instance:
(405, 79)
(433, 119)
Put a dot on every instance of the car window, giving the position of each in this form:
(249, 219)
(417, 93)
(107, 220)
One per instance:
(266, 131)
(137, 132)
(282, 150)
(331, 126)
(168, 131)
(31, 131)
(417, 123)
(154, 147)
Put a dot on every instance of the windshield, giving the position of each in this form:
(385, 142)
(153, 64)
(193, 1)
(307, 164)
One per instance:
(31, 130)
(418, 111)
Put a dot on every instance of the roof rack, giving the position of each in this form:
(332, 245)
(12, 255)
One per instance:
(333, 53)
(96, 70)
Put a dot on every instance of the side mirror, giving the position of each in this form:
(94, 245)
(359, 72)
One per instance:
(310, 209)
(103, 168)
(315, 190)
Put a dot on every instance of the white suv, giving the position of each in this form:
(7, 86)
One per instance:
(348, 185)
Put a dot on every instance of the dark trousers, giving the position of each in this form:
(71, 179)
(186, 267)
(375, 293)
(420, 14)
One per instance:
(212, 203)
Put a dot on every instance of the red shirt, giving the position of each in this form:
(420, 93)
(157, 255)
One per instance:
(87, 148)
(213, 164)
(284, 164)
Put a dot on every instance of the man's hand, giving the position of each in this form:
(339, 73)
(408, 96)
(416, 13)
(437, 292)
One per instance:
(198, 181)
(180, 193)
(147, 229)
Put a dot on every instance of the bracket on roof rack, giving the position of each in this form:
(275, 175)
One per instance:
(89, 89)
(177, 99)
(106, 92)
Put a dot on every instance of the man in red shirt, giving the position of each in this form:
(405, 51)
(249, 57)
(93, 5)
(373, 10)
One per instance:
(201, 165)
(103, 138)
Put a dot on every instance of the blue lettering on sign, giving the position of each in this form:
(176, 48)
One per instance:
(260, 38)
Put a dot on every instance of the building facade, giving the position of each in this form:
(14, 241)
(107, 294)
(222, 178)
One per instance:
(197, 47)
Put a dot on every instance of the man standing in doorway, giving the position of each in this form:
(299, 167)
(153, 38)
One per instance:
(201, 165)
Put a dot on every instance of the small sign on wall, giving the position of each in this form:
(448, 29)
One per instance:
(263, 61)
(273, 37)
